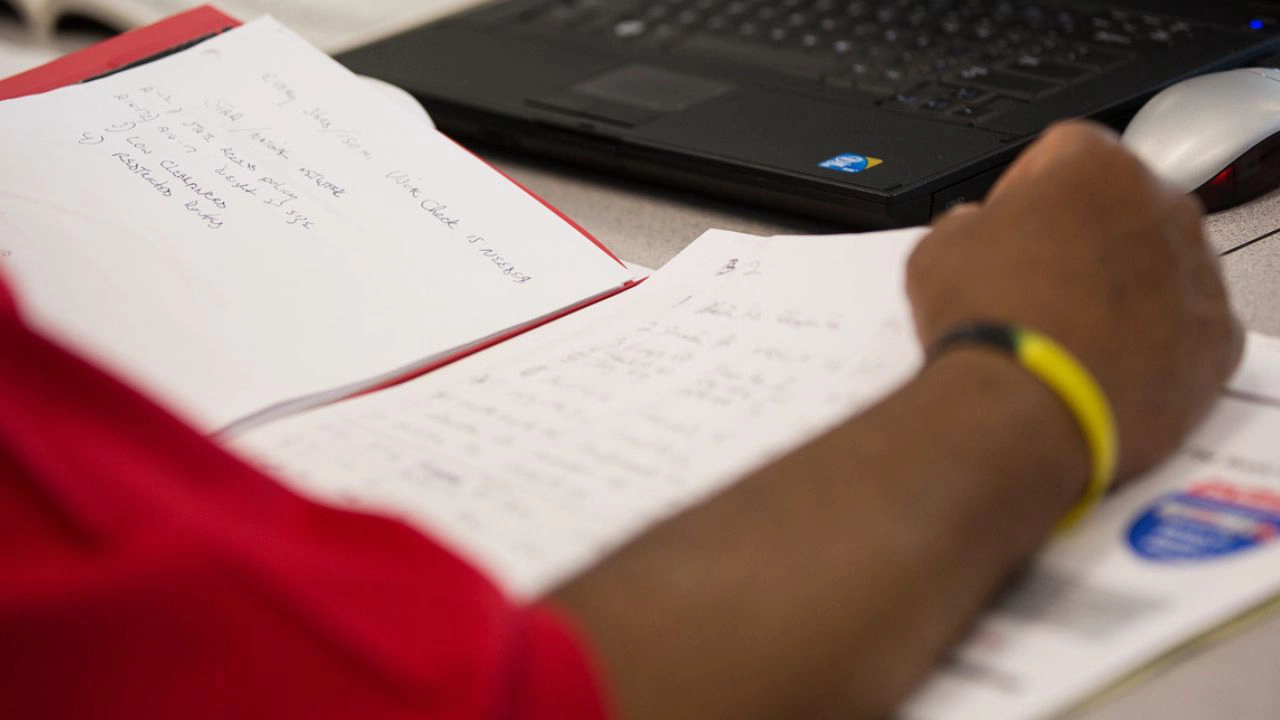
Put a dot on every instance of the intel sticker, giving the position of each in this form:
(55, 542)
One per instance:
(1207, 521)
(850, 163)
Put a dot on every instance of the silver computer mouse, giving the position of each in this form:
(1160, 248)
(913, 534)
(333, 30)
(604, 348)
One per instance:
(1216, 135)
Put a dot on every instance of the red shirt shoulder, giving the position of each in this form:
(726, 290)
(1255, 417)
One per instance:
(148, 573)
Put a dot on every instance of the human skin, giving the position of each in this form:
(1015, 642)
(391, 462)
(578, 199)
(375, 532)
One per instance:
(830, 582)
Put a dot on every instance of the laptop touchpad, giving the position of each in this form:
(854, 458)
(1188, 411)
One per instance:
(651, 88)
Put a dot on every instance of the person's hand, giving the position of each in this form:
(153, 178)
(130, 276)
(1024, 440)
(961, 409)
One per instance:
(1079, 241)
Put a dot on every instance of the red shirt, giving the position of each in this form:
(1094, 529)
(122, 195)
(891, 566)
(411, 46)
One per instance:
(144, 572)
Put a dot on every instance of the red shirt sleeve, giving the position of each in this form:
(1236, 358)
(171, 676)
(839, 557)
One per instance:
(144, 572)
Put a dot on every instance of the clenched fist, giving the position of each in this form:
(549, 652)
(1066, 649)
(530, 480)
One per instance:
(1079, 241)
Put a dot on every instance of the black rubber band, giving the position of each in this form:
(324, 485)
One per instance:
(998, 335)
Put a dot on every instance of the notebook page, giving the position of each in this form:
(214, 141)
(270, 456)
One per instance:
(246, 222)
(537, 456)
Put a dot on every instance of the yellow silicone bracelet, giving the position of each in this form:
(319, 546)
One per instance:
(1058, 369)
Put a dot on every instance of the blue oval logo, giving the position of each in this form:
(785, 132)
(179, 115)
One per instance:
(850, 163)
(1204, 523)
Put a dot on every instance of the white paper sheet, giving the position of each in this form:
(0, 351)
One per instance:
(247, 222)
(537, 456)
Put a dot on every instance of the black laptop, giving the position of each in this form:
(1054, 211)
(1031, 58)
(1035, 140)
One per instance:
(867, 112)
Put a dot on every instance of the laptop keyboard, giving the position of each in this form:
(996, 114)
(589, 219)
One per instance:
(964, 61)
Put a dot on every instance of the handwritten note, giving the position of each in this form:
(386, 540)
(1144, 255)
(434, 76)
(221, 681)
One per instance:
(246, 223)
(538, 455)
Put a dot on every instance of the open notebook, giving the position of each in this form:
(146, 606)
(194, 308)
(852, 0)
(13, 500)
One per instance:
(245, 228)
(252, 235)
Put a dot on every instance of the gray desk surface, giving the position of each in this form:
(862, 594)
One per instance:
(1233, 678)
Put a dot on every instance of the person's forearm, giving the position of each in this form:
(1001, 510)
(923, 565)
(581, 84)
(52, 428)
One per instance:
(828, 583)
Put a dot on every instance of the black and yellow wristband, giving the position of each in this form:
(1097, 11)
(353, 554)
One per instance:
(1057, 368)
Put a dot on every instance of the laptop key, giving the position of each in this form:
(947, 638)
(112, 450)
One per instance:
(630, 28)
(716, 23)
(969, 114)
(1118, 39)
(938, 104)
(778, 59)
(1091, 56)
(903, 100)
(968, 94)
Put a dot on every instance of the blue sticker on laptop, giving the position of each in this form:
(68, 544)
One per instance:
(850, 163)
(1210, 520)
